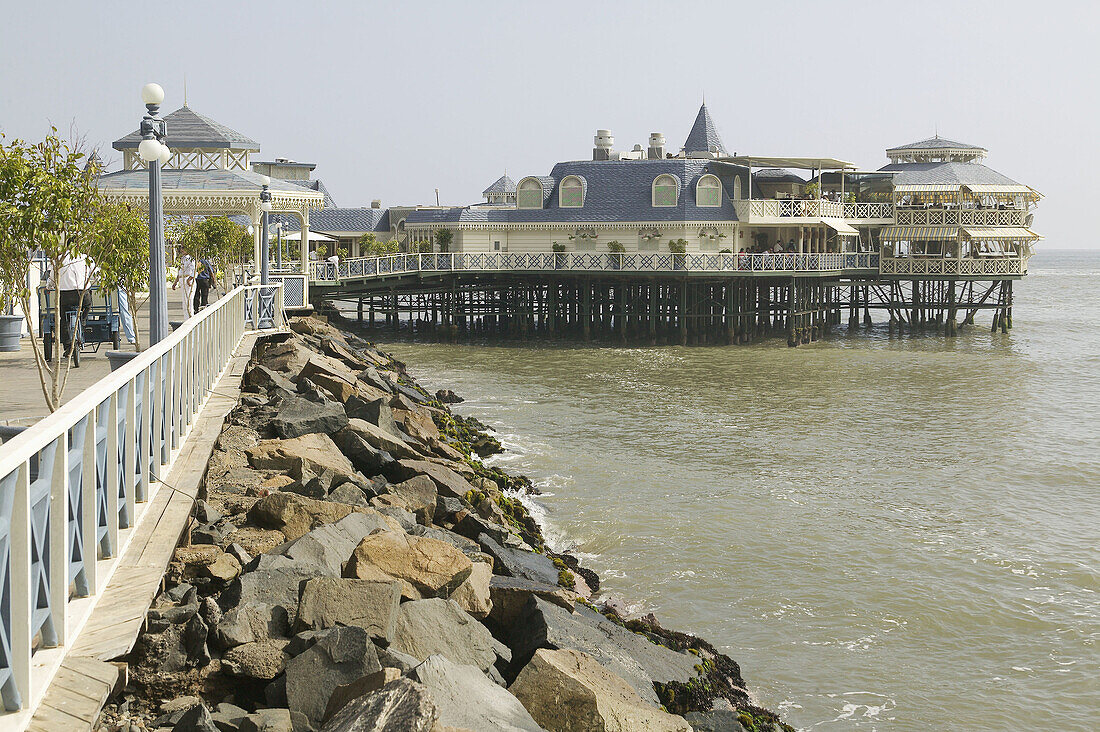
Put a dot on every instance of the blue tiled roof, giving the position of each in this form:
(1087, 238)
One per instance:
(614, 191)
(188, 128)
(503, 184)
(335, 220)
(194, 180)
(704, 135)
(961, 173)
(936, 143)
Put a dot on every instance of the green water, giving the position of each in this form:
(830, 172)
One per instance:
(887, 533)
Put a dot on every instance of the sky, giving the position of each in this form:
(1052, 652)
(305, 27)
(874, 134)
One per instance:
(394, 100)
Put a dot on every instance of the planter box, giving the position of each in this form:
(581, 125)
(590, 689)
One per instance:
(11, 331)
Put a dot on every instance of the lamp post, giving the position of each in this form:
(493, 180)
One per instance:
(265, 207)
(279, 245)
(151, 149)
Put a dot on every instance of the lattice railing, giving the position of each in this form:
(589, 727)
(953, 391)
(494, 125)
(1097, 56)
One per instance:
(934, 266)
(396, 264)
(73, 482)
(767, 208)
(959, 217)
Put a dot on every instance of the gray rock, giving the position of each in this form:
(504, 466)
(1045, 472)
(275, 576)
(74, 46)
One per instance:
(269, 587)
(177, 593)
(206, 514)
(510, 597)
(467, 699)
(370, 375)
(377, 412)
(340, 656)
(228, 717)
(268, 720)
(473, 527)
(323, 551)
(350, 494)
(447, 481)
(419, 494)
(194, 641)
(173, 614)
(622, 652)
(436, 626)
(407, 519)
(262, 660)
(518, 563)
(249, 623)
(714, 721)
(275, 692)
(330, 601)
(464, 545)
(274, 383)
(399, 706)
(195, 719)
(237, 552)
(363, 455)
(298, 416)
(208, 534)
(392, 658)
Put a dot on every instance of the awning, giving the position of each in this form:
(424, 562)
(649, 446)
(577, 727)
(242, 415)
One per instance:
(1004, 189)
(927, 188)
(840, 227)
(801, 163)
(1001, 232)
(918, 233)
(313, 236)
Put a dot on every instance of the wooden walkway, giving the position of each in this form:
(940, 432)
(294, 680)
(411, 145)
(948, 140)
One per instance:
(80, 688)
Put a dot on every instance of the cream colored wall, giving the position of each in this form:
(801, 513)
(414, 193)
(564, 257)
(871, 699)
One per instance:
(542, 240)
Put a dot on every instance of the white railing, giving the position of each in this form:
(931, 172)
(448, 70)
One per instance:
(960, 217)
(976, 267)
(74, 485)
(398, 264)
(767, 208)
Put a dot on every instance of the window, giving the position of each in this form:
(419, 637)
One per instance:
(737, 188)
(529, 193)
(665, 190)
(571, 193)
(708, 192)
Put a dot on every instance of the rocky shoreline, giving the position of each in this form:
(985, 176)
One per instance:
(353, 565)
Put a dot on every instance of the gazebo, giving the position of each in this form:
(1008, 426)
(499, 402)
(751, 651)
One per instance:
(209, 175)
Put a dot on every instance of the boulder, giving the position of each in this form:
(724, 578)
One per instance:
(433, 567)
(472, 526)
(315, 451)
(429, 627)
(274, 383)
(350, 494)
(446, 396)
(447, 481)
(330, 601)
(631, 656)
(323, 551)
(467, 699)
(331, 375)
(417, 423)
(716, 720)
(510, 597)
(269, 720)
(205, 513)
(419, 494)
(569, 691)
(340, 656)
(268, 588)
(405, 518)
(381, 439)
(195, 719)
(473, 594)
(519, 563)
(262, 660)
(400, 706)
(250, 623)
(289, 357)
(228, 717)
(296, 515)
(253, 540)
(223, 569)
(376, 412)
(344, 693)
(464, 545)
(298, 416)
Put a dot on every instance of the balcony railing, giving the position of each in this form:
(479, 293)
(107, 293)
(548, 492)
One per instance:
(756, 209)
(960, 217)
(370, 267)
(936, 266)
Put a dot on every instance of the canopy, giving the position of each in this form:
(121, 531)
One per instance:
(840, 227)
(919, 233)
(763, 161)
(313, 236)
(1001, 232)
(927, 188)
(1002, 189)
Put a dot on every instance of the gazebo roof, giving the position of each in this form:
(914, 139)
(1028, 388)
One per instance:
(938, 143)
(199, 180)
(189, 129)
(503, 184)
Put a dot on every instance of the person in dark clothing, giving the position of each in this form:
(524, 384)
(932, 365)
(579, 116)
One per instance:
(203, 282)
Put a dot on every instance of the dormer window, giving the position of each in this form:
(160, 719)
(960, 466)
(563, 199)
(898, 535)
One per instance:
(708, 192)
(529, 193)
(571, 193)
(666, 190)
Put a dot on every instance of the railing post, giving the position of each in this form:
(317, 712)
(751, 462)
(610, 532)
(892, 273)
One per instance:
(22, 607)
(111, 471)
(59, 539)
(129, 449)
(89, 505)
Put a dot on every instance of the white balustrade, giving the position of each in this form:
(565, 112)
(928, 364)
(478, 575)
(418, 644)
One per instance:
(935, 266)
(74, 485)
(960, 217)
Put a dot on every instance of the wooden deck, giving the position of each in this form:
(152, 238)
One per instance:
(80, 688)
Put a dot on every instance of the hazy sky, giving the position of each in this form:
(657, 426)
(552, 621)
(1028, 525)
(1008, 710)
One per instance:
(394, 100)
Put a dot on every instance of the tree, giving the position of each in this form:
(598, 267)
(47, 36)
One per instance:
(50, 205)
(221, 241)
(371, 247)
(444, 237)
(121, 253)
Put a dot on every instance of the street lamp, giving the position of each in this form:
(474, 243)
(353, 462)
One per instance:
(151, 149)
(279, 245)
(265, 207)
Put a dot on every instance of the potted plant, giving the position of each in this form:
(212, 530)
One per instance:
(678, 247)
(616, 254)
(11, 325)
(559, 255)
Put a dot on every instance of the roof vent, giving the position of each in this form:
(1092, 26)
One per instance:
(656, 146)
(603, 142)
(376, 203)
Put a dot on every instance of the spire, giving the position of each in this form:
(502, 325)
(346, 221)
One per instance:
(704, 135)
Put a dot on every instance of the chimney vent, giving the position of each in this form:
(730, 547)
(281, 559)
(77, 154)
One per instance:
(376, 203)
(656, 146)
(603, 142)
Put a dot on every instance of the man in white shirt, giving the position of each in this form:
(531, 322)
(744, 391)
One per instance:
(187, 274)
(74, 278)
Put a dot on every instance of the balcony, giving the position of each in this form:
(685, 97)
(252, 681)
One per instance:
(810, 211)
(991, 267)
(960, 217)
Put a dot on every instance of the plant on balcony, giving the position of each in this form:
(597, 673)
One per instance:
(444, 237)
(615, 247)
(371, 247)
(558, 248)
(813, 189)
(678, 246)
(850, 197)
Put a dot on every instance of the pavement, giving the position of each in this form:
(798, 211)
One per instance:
(21, 399)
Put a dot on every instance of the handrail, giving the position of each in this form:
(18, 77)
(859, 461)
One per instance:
(370, 267)
(749, 209)
(70, 483)
(960, 217)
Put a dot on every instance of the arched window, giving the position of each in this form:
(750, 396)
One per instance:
(665, 190)
(737, 188)
(529, 193)
(708, 192)
(571, 193)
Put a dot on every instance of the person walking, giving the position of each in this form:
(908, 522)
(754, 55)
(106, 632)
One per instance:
(73, 279)
(203, 281)
(187, 274)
